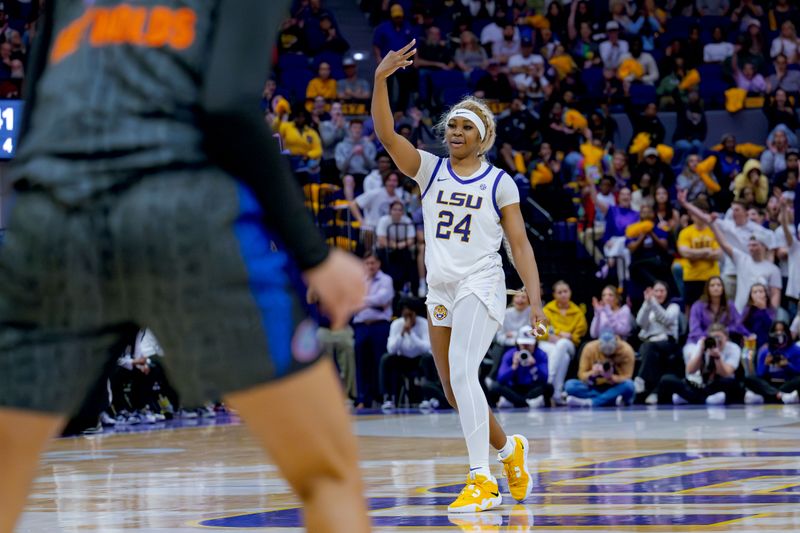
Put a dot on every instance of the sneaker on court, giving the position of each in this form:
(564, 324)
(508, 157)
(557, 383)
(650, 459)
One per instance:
(388, 405)
(620, 401)
(95, 430)
(147, 417)
(717, 398)
(638, 384)
(574, 401)
(187, 413)
(792, 397)
(677, 399)
(107, 420)
(504, 403)
(422, 292)
(479, 494)
(476, 521)
(751, 398)
(652, 399)
(535, 403)
(515, 468)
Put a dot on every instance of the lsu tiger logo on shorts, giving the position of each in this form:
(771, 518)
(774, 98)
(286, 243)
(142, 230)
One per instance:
(440, 312)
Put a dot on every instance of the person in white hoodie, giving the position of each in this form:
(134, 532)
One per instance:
(408, 342)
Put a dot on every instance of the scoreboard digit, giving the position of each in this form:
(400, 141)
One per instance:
(10, 119)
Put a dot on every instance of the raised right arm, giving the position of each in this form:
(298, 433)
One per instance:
(403, 153)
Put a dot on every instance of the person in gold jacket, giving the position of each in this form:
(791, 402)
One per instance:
(567, 327)
(605, 374)
(302, 142)
(751, 176)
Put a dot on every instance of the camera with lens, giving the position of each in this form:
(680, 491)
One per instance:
(710, 343)
(606, 366)
(524, 355)
(777, 341)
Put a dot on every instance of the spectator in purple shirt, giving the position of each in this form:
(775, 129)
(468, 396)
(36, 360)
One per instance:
(712, 308)
(522, 377)
(777, 378)
(371, 328)
(618, 217)
(610, 315)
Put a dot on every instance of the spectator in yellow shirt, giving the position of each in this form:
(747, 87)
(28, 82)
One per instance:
(323, 85)
(302, 142)
(567, 328)
(701, 254)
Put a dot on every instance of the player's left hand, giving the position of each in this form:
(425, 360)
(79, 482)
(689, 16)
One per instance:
(539, 321)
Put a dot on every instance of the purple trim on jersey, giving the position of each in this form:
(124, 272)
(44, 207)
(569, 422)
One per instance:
(494, 192)
(433, 177)
(467, 182)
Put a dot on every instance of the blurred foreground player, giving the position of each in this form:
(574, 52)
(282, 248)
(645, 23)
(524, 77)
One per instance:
(127, 213)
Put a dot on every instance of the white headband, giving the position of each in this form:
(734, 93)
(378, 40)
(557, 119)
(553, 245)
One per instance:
(472, 117)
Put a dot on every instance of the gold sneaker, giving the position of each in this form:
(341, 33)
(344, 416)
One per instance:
(479, 494)
(515, 468)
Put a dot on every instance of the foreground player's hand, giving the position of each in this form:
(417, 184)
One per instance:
(339, 284)
(539, 320)
(396, 59)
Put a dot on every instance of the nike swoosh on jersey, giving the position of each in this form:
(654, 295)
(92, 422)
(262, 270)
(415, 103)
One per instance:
(442, 179)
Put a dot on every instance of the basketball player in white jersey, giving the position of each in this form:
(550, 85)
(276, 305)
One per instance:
(467, 206)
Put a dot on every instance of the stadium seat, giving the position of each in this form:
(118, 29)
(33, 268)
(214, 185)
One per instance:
(295, 82)
(712, 91)
(474, 76)
(592, 79)
(450, 83)
(292, 61)
(642, 94)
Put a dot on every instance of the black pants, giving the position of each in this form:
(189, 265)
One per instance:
(769, 389)
(133, 390)
(431, 384)
(517, 394)
(658, 359)
(370, 345)
(671, 384)
(394, 369)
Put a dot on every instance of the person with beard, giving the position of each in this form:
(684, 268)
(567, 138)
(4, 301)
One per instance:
(605, 374)
(692, 127)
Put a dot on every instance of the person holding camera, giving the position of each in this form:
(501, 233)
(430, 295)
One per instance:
(522, 377)
(711, 373)
(777, 378)
(605, 374)
(408, 342)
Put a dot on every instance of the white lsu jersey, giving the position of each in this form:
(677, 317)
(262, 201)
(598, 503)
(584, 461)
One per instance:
(461, 215)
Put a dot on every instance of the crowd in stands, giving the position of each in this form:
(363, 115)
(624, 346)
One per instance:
(17, 29)
(696, 244)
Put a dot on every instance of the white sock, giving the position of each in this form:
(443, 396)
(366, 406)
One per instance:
(482, 470)
(508, 449)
